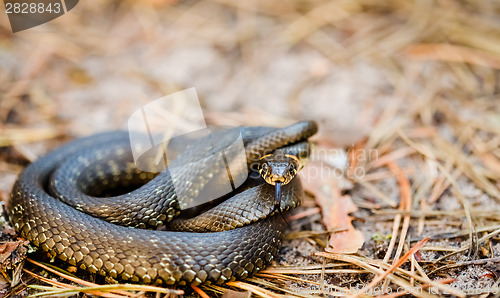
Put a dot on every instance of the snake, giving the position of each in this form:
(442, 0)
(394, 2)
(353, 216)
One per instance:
(140, 234)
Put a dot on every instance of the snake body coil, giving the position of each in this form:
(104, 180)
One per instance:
(244, 238)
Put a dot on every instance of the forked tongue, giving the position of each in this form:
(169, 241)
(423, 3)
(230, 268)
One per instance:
(277, 201)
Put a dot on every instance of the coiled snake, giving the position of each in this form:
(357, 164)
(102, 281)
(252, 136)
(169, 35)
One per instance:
(54, 205)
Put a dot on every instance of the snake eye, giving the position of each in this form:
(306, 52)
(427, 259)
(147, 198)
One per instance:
(291, 171)
(263, 168)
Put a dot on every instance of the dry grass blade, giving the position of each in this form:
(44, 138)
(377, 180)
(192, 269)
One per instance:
(447, 52)
(477, 213)
(467, 247)
(400, 262)
(276, 287)
(59, 286)
(461, 264)
(102, 289)
(119, 288)
(309, 282)
(406, 201)
(363, 262)
(424, 280)
(391, 157)
(295, 292)
(66, 292)
(308, 267)
(307, 24)
(16, 136)
(200, 292)
(252, 288)
(316, 271)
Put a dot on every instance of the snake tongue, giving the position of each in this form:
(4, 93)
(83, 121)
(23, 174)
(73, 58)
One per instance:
(277, 201)
(278, 194)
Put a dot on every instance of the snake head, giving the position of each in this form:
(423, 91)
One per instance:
(279, 168)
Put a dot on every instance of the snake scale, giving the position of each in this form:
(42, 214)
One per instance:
(233, 240)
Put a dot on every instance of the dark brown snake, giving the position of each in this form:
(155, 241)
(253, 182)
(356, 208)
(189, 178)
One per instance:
(53, 206)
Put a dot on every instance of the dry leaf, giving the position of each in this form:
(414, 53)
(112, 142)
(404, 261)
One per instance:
(335, 209)
(12, 253)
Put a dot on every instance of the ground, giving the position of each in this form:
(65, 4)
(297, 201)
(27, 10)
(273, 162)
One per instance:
(406, 95)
